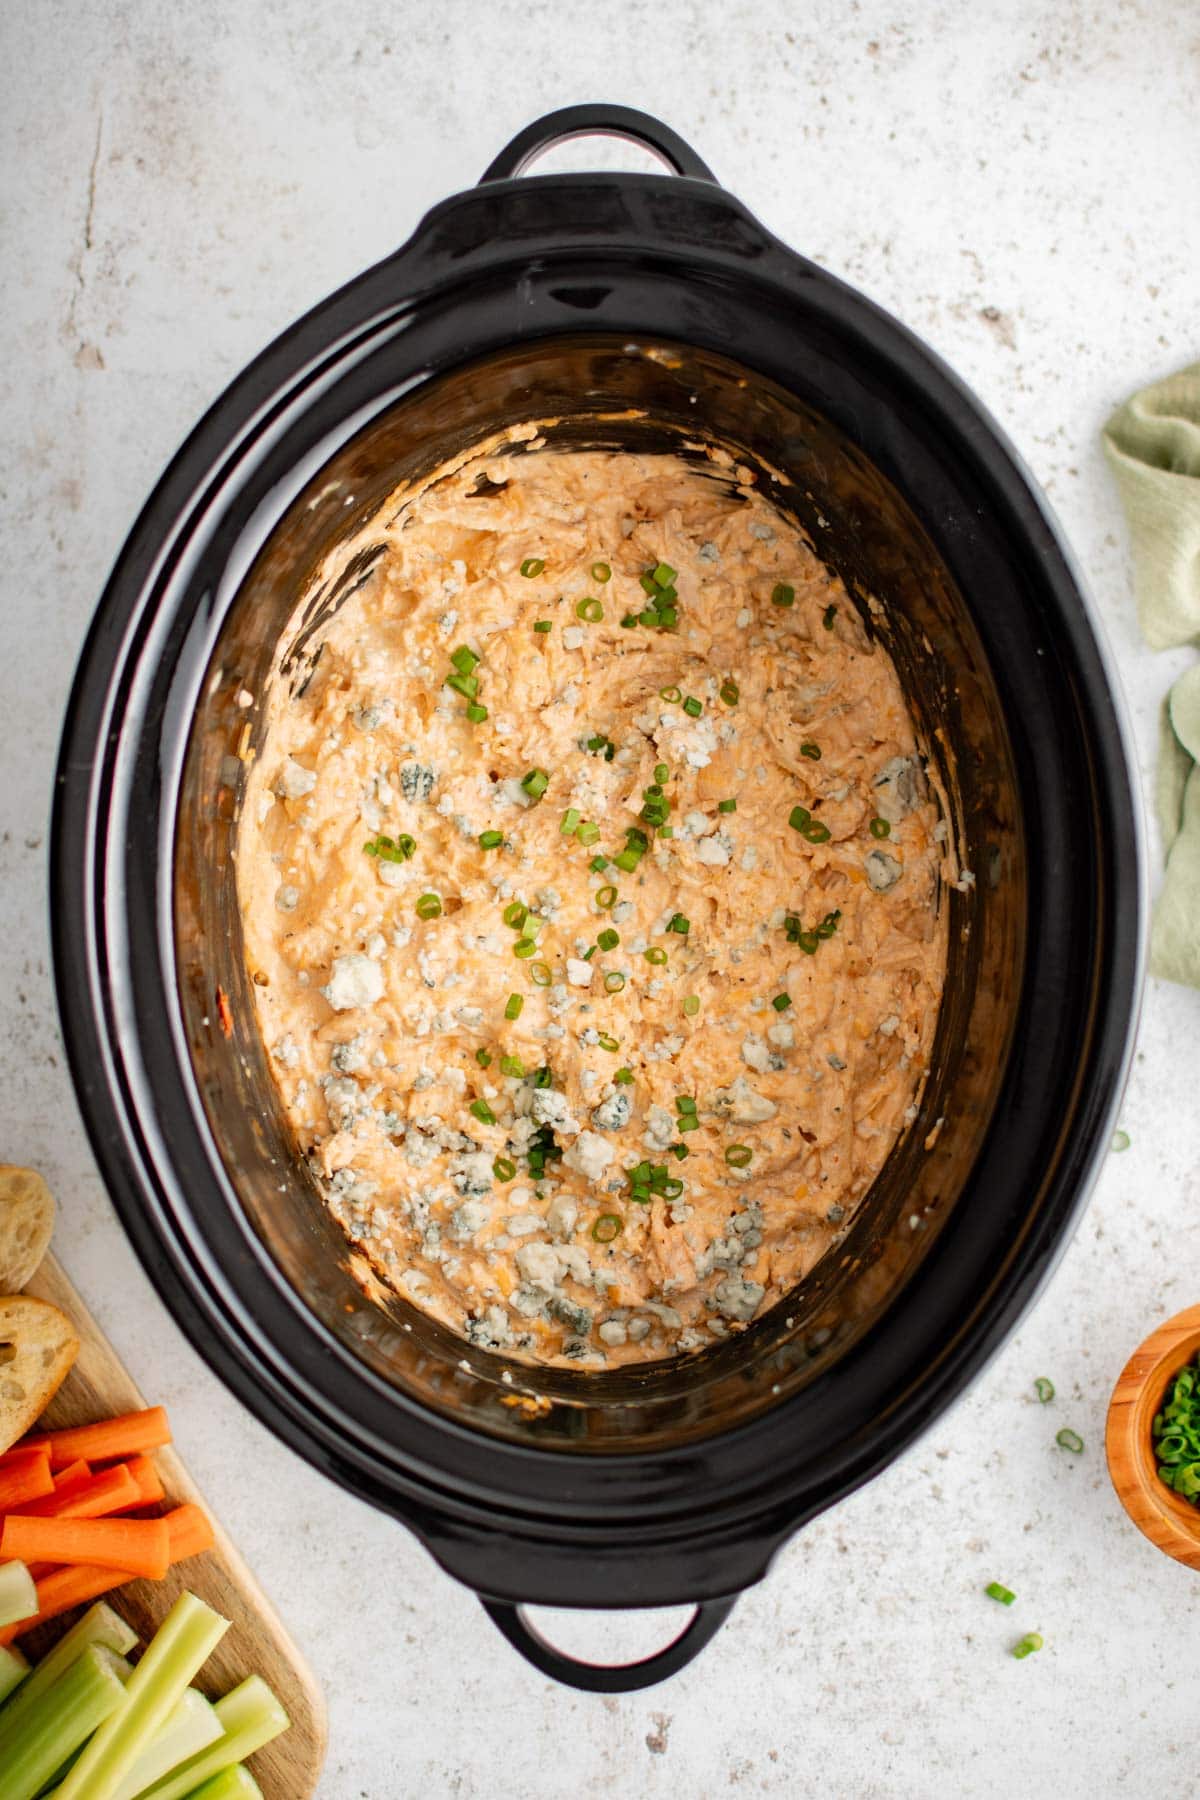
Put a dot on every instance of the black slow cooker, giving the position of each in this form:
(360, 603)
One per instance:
(647, 312)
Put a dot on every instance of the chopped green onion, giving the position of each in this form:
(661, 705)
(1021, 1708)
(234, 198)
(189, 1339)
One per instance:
(589, 953)
(512, 1065)
(465, 660)
(828, 616)
(428, 906)
(515, 914)
(687, 1122)
(614, 981)
(693, 707)
(782, 594)
(607, 1227)
(655, 954)
(388, 849)
(490, 840)
(525, 947)
(627, 860)
(661, 772)
(816, 833)
(590, 610)
(672, 695)
(1120, 1141)
(812, 751)
(807, 941)
(678, 923)
(570, 821)
(539, 974)
(623, 1076)
(533, 565)
(598, 864)
(601, 572)
(995, 1591)
(629, 621)
(828, 924)
(606, 896)
(543, 625)
(607, 1041)
(482, 1110)
(609, 939)
(666, 831)
(730, 693)
(1044, 1389)
(680, 1151)
(476, 713)
(250, 1716)
(483, 1058)
(781, 1002)
(1029, 1643)
(513, 1006)
(799, 818)
(691, 1005)
(727, 806)
(684, 1103)
(663, 575)
(535, 783)
(542, 1078)
(879, 828)
(598, 742)
(466, 685)
(1069, 1440)
(588, 832)
(739, 1156)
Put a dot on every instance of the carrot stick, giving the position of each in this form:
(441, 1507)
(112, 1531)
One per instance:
(29, 1479)
(190, 1530)
(143, 1545)
(64, 1588)
(143, 1471)
(104, 1441)
(111, 1491)
(72, 1481)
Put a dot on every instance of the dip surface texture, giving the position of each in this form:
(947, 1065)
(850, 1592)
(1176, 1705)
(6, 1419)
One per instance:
(596, 1016)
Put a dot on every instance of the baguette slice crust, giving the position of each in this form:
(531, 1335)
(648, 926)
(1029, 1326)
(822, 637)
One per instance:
(27, 1212)
(38, 1345)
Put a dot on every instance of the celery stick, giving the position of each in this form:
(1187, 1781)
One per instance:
(63, 1717)
(250, 1717)
(231, 1784)
(18, 1596)
(99, 1625)
(13, 1670)
(192, 1727)
(186, 1638)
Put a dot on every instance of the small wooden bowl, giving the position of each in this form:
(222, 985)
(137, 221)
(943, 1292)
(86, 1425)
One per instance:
(1167, 1520)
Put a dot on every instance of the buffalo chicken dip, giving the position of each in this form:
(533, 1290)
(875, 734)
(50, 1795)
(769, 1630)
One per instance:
(590, 891)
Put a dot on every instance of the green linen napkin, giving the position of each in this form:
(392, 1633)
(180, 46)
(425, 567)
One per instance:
(1153, 446)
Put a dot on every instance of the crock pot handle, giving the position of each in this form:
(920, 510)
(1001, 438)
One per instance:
(596, 121)
(609, 1678)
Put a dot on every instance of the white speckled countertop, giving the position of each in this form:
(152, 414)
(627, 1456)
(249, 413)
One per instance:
(1017, 183)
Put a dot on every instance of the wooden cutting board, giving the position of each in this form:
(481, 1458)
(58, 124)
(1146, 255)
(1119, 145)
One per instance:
(100, 1385)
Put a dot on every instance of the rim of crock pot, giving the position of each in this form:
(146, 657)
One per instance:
(86, 881)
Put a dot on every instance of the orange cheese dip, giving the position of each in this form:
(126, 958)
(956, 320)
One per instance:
(599, 981)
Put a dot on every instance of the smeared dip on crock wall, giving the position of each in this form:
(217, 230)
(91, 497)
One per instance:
(600, 980)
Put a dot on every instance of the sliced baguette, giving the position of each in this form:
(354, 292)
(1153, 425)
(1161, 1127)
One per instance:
(26, 1223)
(38, 1345)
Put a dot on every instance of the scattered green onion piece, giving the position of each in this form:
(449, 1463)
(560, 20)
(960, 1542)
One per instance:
(525, 947)
(598, 864)
(828, 616)
(816, 833)
(614, 981)
(782, 594)
(684, 1103)
(739, 1156)
(693, 707)
(606, 896)
(995, 1591)
(476, 713)
(533, 565)
(666, 831)
(730, 692)
(829, 923)
(570, 821)
(672, 1187)
(490, 840)
(679, 1151)
(1029, 1643)
(466, 685)
(607, 1227)
(539, 974)
(607, 1041)
(601, 572)
(1120, 1141)
(655, 954)
(672, 695)
(879, 828)
(465, 660)
(647, 583)
(428, 906)
(812, 751)
(483, 1058)
(781, 1002)
(808, 941)
(661, 772)
(589, 953)
(1069, 1440)
(687, 1122)
(691, 1005)
(588, 832)
(589, 610)
(482, 1110)
(504, 1168)
(542, 1078)
(627, 861)
(1044, 1389)
(515, 914)
(543, 625)
(726, 806)
(799, 818)
(624, 1076)
(663, 575)
(609, 939)
(680, 924)
(512, 1065)
(629, 621)
(535, 783)
(513, 1006)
